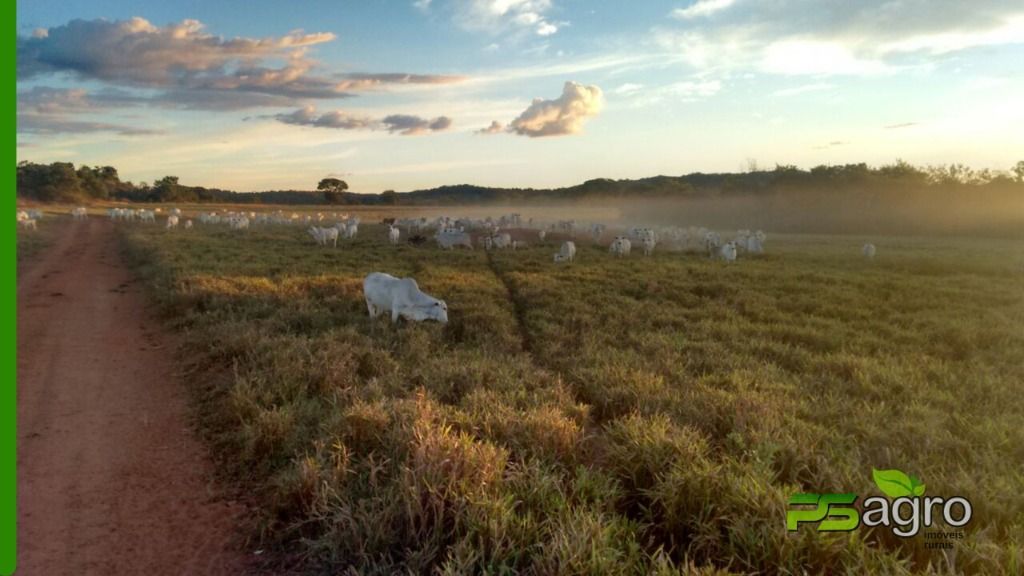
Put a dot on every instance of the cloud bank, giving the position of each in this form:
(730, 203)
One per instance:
(404, 124)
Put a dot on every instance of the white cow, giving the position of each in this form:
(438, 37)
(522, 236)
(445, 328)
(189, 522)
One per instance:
(393, 234)
(754, 245)
(868, 251)
(324, 235)
(728, 252)
(541, 234)
(401, 297)
(79, 213)
(172, 221)
(188, 224)
(567, 253)
(27, 223)
(621, 246)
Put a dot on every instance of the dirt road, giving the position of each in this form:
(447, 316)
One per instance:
(110, 479)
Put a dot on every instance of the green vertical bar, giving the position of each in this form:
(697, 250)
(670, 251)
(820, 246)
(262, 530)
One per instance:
(8, 364)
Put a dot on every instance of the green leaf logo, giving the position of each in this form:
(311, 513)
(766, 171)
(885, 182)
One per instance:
(896, 484)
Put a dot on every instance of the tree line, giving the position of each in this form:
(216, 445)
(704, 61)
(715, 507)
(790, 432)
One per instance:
(63, 182)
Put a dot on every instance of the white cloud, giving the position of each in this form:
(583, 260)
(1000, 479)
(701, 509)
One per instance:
(815, 57)
(503, 16)
(1011, 31)
(563, 115)
(701, 8)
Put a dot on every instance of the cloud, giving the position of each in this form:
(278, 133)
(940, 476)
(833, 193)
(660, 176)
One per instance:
(900, 125)
(192, 66)
(335, 119)
(412, 125)
(802, 57)
(363, 81)
(137, 52)
(701, 8)
(47, 124)
(46, 110)
(504, 16)
(494, 128)
(561, 116)
(404, 124)
(799, 37)
(638, 96)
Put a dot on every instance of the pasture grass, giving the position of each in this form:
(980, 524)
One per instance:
(32, 242)
(612, 416)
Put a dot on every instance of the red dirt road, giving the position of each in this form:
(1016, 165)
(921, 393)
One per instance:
(110, 478)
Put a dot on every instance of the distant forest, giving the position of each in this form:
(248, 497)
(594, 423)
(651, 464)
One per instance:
(63, 182)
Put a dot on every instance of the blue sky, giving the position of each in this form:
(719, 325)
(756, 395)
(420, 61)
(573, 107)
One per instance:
(410, 94)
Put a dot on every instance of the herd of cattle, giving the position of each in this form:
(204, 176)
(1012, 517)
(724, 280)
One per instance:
(401, 297)
(509, 231)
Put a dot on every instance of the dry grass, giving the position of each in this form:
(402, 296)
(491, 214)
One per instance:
(613, 416)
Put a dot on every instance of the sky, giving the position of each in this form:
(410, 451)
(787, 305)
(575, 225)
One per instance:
(409, 94)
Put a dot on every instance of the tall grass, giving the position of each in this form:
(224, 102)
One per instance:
(612, 416)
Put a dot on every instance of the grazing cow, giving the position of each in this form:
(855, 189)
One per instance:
(188, 224)
(393, 233)
(448, 238)
(324, 235)
(172, 221)
(401, 297)
(567, 253)
(79, 213)
(868, 251)
(621, 246)
(754, 245)
(27, 223)
(596, 231)
(728, 252)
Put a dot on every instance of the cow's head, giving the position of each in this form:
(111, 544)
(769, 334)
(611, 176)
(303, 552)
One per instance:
(437, 310)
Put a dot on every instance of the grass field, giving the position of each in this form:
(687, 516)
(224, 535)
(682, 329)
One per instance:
(31, 242)
(611, 416)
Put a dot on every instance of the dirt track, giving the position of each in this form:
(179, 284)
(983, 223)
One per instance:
(110, 479)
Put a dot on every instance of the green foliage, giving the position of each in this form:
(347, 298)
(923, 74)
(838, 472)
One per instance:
(643, 415)
(61, 182)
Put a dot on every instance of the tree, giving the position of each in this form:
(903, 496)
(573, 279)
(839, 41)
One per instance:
(389, 197)
(1018, 171)
(332, 189)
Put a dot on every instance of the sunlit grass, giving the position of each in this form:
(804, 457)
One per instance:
(609, 416)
